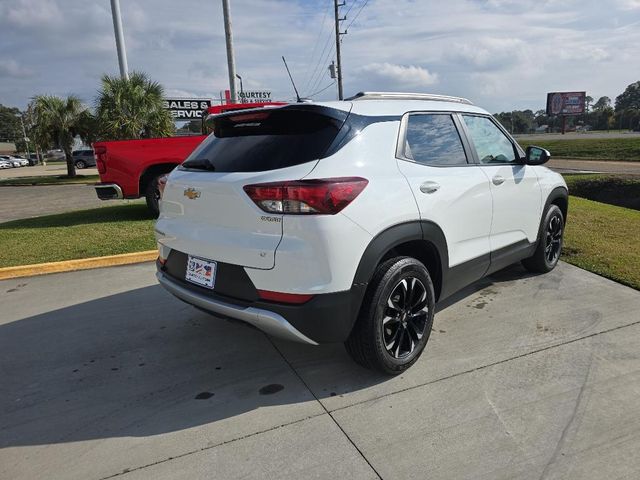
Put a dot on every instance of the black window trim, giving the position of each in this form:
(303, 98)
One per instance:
(402, 136)
(517, 150)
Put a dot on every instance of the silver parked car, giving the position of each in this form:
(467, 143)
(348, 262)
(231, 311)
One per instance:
(14, 162)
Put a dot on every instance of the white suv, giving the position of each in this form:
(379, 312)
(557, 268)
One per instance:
(347, 221)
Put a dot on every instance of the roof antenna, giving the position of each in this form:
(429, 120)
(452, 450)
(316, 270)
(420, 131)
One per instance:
(292, 82)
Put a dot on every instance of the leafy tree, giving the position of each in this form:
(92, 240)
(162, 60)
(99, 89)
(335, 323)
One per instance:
(10, 128)
(59, 120)
(602, 103)
(132, 108)
(629, 99)
(628, 107)
(588, 100)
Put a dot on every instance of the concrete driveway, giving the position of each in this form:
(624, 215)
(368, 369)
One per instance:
(104, 375)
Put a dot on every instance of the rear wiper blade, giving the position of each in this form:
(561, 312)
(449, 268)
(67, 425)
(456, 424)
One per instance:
(200, 164)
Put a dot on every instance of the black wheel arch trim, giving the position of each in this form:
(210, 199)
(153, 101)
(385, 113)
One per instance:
(555, 194)
(397, 235)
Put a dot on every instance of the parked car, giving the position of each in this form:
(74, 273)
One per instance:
(5, 163)
(55, 154)
(132, 168)
(83, 158)
(15, 163)
(34, 159)
(23, 161)
(348, 221)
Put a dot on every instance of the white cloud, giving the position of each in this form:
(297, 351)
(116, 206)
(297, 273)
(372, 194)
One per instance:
(10, 68)
(502, 54)
(400, 75)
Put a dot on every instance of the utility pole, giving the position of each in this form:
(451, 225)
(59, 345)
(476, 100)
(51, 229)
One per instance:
(336, 6)
(117, 27)
(231, 61)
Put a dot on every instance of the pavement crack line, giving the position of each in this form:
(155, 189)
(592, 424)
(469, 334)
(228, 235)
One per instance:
(329, 412)
(286, 360)
(208, 447)
(482, 367)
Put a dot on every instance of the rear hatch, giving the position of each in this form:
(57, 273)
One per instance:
(204, 210)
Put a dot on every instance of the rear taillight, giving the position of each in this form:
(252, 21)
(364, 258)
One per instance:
(100, 153)
(325, 196)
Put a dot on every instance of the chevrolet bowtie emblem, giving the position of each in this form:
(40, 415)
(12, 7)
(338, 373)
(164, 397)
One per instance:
(191, 193)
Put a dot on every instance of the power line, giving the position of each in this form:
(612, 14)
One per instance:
(315, 47)
(320, 91)
(315, 70)
(324, 61)
(357, 14)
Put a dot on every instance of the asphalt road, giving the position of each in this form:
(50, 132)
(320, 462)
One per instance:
(566, 165)
(104, 375)
(578, 135)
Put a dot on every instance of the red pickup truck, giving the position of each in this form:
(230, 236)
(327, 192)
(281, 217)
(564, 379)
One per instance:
(131, 168)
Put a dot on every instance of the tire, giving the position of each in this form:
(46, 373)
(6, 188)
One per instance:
(152, 196)
(384, 337)
(80, 164)
(547, 253)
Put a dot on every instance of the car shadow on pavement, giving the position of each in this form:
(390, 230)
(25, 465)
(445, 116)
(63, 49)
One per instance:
(141, 363)
(138, 364)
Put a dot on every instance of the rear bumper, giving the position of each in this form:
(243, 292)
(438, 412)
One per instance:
(109, 191)
(269, 322)
(326, 318)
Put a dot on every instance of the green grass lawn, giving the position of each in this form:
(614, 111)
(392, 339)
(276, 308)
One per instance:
(604, 239)
(626, 149)
(51, 180)
(82, 234)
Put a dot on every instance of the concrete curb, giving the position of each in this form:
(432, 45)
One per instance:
(79, 264)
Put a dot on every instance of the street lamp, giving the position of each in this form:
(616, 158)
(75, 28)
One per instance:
(241, 90)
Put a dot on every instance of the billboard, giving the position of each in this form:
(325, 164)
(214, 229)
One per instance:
(565, 103)
(186, 108)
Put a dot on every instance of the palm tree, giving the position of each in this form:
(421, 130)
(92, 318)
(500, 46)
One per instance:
(60, 120)
(132, 108)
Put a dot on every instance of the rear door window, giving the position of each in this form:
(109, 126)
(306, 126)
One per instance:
(261, 140)
(433, 139)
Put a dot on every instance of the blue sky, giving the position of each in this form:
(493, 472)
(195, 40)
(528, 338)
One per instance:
(502, 54)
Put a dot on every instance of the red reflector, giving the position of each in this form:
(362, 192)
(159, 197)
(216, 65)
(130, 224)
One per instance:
(280, 297)
(306, 197)
(99, 149)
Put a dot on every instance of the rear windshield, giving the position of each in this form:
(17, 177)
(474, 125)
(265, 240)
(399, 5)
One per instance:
(261, 140)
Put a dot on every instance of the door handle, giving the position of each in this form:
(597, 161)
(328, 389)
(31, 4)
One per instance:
(498, 180)
(429, 187)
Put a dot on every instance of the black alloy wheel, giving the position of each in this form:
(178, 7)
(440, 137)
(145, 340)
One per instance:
(553, 239)
(547, 253)
(405, 317)
(396, 316)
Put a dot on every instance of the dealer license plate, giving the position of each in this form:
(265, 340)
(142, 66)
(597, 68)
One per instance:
(201, 272)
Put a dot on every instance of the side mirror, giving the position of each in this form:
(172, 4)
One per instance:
(536, 156)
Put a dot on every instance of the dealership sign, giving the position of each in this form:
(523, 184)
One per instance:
(186, 108)
(263, 96)
(566, 103)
